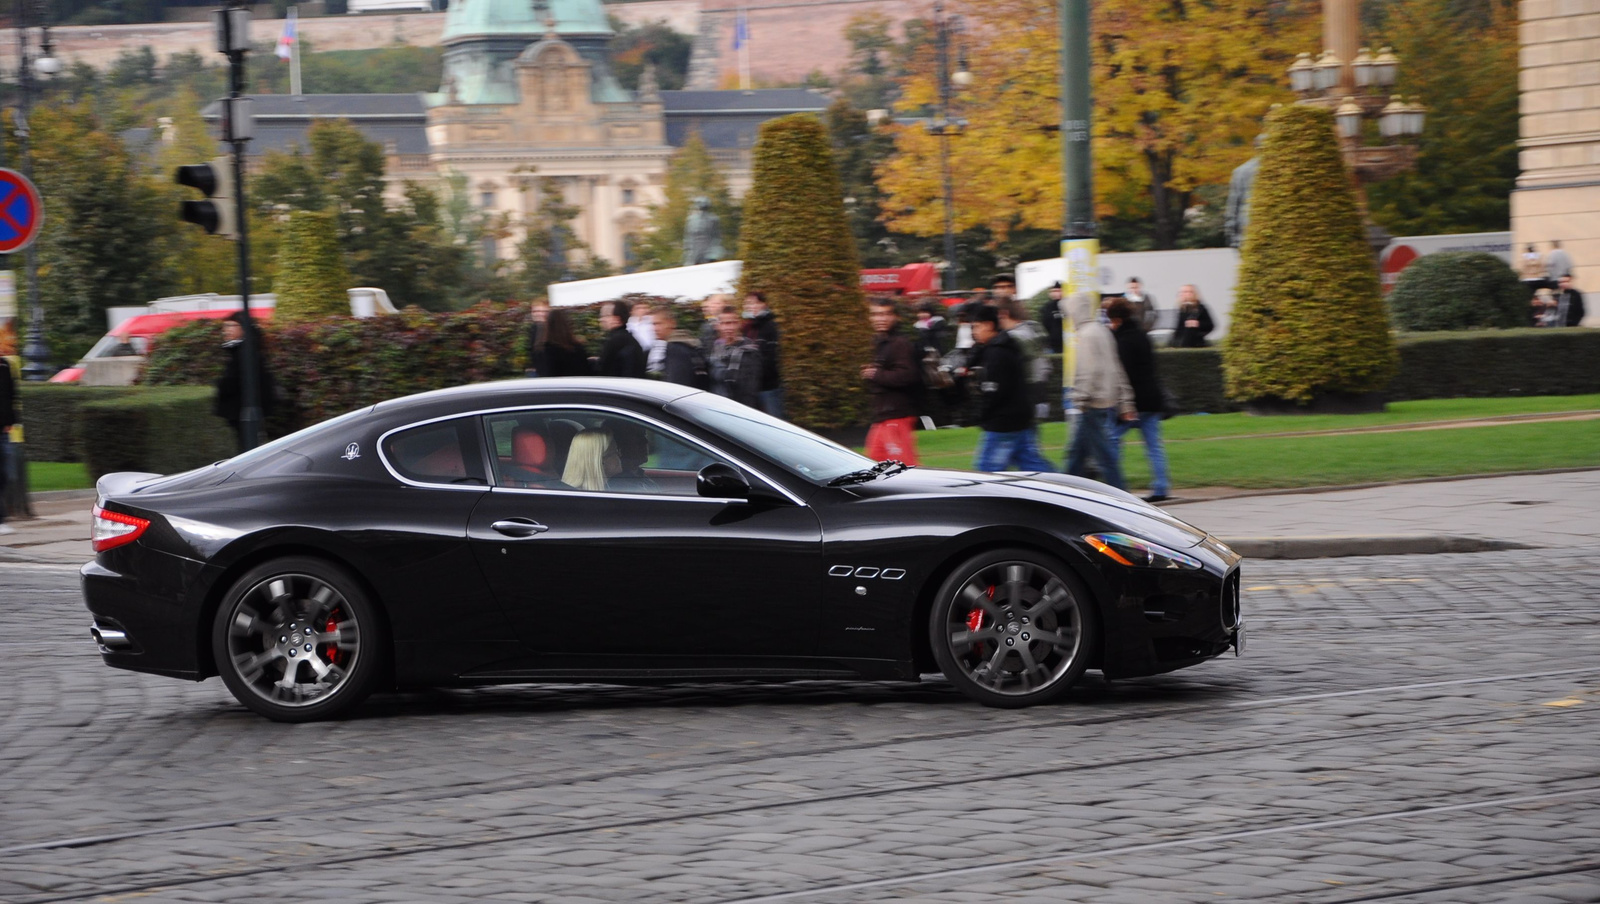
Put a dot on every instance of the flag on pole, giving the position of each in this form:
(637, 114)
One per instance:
(287, 39)
(741, 30)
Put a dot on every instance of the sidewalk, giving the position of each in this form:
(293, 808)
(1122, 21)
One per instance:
(1437, 516)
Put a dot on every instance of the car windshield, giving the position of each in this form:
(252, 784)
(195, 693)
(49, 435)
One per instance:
(811, 456)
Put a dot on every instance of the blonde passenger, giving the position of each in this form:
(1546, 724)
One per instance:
(592, 459)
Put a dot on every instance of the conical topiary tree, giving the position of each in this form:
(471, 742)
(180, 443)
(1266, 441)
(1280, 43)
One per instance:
(798, 251)
(1308, 320)
(312, 278)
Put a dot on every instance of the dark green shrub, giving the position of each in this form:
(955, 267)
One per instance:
(1307, 316)
(165, 430)
(1194, 378)
(798, 251)
(1458, 290)
(1497, 363)
(52, 422)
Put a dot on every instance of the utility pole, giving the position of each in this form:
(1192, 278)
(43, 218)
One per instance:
(36, 350)
(233, 39)
(1080, 249)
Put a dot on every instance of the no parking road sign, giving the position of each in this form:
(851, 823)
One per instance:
(21, 211)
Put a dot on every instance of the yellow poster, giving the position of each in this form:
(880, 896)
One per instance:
(1081, 257)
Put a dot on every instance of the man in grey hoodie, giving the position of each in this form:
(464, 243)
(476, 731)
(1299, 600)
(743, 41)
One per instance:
(1101, 390)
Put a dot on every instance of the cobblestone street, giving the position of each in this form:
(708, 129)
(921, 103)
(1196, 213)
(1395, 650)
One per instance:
(1416, 729)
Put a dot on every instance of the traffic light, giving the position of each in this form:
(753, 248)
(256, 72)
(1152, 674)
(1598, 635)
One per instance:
(217, 214)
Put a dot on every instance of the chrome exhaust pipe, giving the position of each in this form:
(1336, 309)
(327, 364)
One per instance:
(110, 638)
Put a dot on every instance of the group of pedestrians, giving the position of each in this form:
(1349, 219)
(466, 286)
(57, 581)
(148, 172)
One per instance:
(1553, 299)
(735, 354)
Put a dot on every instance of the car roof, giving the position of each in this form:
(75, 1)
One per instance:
(529, 391)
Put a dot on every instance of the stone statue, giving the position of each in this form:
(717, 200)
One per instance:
(702, 234)
(1240, 186)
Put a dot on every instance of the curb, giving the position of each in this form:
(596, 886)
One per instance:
(1244, 492)
(1341, 546)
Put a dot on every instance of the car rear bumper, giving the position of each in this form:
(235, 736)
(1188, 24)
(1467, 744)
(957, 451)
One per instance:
(146, 623)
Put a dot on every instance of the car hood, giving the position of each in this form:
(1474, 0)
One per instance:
(1113, 506)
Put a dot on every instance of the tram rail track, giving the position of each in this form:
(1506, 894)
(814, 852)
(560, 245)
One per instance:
(680, 816)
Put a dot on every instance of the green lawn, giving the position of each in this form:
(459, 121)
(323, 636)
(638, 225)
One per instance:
(55, 475)
(1222, 450)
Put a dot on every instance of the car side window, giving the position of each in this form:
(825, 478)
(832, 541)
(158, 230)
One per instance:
(441, 453)
(594, 451)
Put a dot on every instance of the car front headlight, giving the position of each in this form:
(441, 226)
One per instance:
(1136, 553)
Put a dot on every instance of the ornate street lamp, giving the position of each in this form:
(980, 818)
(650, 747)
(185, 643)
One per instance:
(1385, 68)
(1348, 119)
(1302, 74)
(1361, 68)
(1329, 68)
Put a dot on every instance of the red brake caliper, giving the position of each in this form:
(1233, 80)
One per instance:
(333, 625)
(975, 617)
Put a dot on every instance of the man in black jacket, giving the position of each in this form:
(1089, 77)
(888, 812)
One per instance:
(1005, 413)
(683, 361)
(894, 379)
(8, 416)
(763, 331)
(229, 403)
(1139, 362)
(621, 356)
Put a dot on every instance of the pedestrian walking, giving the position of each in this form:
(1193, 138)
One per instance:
(1031, 341)
(1557, 263)
(763, 331)
(1194, 320)
(1569, 310)
(894, 381)
(682, 360)
(1101, 390)
(562, 353)
(229, 402)
(8, 418)
(1149, 402)
(641, 325)
(1050, 318)
(736, 365)
(1005, 414)
(621, 355)
(711, 309)
(538, 332)
(1141, 305)
(931, 326)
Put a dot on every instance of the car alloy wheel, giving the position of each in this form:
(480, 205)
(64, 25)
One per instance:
(296, 640)
(1012, 628)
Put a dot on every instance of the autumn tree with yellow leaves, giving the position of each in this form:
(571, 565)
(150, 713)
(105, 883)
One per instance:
(1180, 89)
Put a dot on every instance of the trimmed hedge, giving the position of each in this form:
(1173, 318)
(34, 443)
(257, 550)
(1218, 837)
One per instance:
(1307, 316)
(165, 430)
(1497, 363)
(52, 422)
(1458, 290)
(798, 252)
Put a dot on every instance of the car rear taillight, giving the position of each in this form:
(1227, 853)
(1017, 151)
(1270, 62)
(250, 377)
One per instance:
(109, 530)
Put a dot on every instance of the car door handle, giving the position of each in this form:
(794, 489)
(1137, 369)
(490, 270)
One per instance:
(521, 528)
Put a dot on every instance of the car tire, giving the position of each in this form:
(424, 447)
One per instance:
(297, 639)
(1013, 628)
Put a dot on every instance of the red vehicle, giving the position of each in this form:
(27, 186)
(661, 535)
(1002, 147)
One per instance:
(912, 279)
(131, 337)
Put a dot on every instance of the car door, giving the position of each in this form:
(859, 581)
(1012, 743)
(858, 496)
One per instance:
(605, 557)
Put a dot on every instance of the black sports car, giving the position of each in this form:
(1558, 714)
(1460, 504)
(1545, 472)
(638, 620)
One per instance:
(627, 531)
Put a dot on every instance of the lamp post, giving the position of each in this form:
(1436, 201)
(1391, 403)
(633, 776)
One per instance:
(944, 125)
(36, 350)
(1354, 83)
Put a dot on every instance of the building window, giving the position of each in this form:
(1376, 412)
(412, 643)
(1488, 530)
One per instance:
(627, 196)
(486, 200)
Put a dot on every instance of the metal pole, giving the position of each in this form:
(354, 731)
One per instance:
(36, 350)
(250, 351)
(946, 95)
(1077, 165)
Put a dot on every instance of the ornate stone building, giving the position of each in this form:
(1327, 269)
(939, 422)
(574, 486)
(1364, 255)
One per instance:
(1558, 194)
(529, 102)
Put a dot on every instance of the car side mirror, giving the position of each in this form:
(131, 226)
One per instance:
(721, 481)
